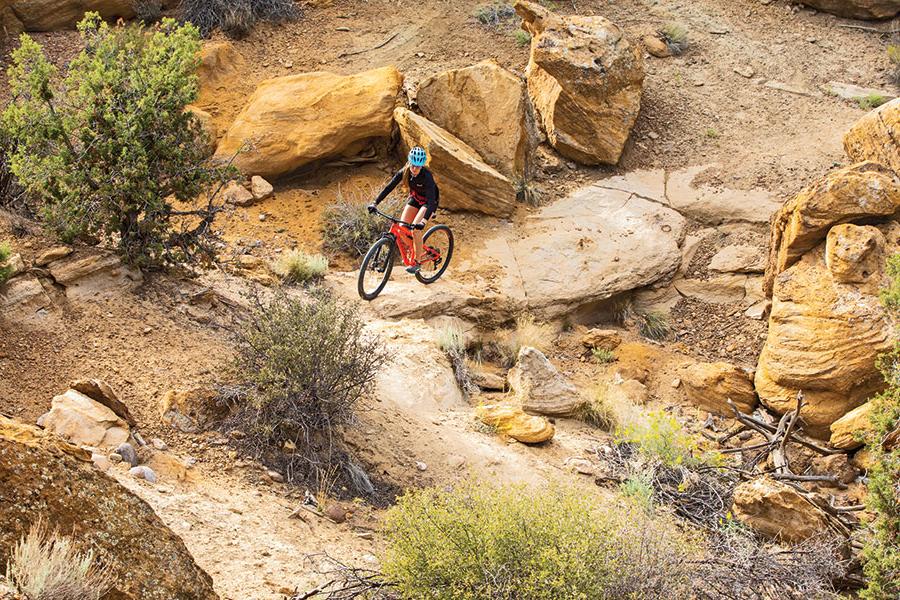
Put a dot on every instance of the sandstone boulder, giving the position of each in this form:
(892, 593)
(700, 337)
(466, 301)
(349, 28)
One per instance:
(856, 193)
(711, 385)
(85, 422)
(601, 339)
(585, 80)
(858, 9)
(484, 106)
(260, 188)
(540, 388)
(876, 137)
(87, 275)
(52, 15)
(837, 465)
(466, 182)
(292, 121)
(24, 297)
(512, 421)
(191, 410)
(52, 254)
(721, 289)
(846, 431)
(827, 328)
(777, 510)
(42, 476)
(100, 391)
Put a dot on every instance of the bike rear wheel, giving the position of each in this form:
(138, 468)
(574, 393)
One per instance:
(440, 239)
(376, 269)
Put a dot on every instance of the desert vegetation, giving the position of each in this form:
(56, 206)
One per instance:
(236, 18)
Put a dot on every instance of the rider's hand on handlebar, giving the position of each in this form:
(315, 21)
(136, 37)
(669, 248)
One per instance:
(419, 226)
(371, 209)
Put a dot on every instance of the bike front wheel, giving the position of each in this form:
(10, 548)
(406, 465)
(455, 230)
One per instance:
(376, 269)
(438, 243)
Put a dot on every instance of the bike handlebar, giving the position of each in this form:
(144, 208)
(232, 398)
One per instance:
(394, 219)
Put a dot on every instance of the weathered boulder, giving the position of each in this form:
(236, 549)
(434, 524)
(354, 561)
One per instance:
(41, 476)
(52, 15)
(83, 421)
(484, 106)
(857, 9)
(191, 410)
(10, 26)
(220, 68)
(52, 254)
(739, 259)
(87, 275)
(512, 421)
(260, 188)
(488, 380)
(856, 193)
(292, 121)
(846, 431)
(711, 385)
(235, 193)
(827, 327)
(876, 137)
(777, 511)
(602, 339)
(23, 297)
(100, 391)
(540, 388)
(585, 80)
(837, 465)
(465, 180)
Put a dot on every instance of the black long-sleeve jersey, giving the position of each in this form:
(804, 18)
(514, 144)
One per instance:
(423, 191)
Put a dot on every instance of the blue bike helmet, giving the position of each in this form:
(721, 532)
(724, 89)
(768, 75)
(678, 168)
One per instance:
(418, 157)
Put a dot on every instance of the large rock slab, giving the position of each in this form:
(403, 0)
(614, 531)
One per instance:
(483, 105)
(292, 121)
(827, 327)
(857, 193)
(777, 511)
(876, 137)
(858, 9)
(716, 205)
(41, 476)
(585, 80)
(87, 275)
(100, 391)
(466, 182)
(84, 421)
(52, 15)
(711, 385)
(540, 388)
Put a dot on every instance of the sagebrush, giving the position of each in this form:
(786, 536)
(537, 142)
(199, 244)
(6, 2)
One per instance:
(5, 269)
(675, 35)
(297, 266)
(108, 146)
(236, 18)
(46, 566)
(349, 229)
(302, 366)
(479, 540)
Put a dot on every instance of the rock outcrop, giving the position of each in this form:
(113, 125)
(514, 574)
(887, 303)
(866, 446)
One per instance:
(857, 193)
(585, 80)
(85, 275)
(41, 476)
(220, 68)
(292, 121)
(466, 182)
(540, 388)
(827, 326)
(100, 391)
(777, 510)
(858, 9)
(711, 385)
(52, 15)
(484, 106)
(83, 421)
(512, 421)
(876, 137)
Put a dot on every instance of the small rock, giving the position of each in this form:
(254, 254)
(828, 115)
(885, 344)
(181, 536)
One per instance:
(143, 472)
(336, 513)
(745, 71)
(115, 458)
(15, 265)
(101, 462)
(148, 330)
(262, 216)
(676, 383)
(656, 47)
(455, 461)
(159, 444)
(128, 454)
(275, 476)
(342, 29)
(580, 465)
(51, 255)
(260, 188)
(237, 194)
(421, 466)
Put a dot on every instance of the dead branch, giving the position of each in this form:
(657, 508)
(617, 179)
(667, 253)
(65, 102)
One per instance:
(346, 582)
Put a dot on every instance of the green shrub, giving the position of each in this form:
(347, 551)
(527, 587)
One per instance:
(893, 53)
(881, 554)
(711, 133)
(675, 36)
(639, 488)
(5, 270)
(494, 14)
(236, 18)
(349, 228)
(297, 266)
(302, 365)
(603, 356)
(46, 566)
(659, 436)
(523, 38)
(508, 542)
(871, 101)
(107, 147)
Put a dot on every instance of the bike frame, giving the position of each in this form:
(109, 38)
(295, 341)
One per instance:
(401, 233)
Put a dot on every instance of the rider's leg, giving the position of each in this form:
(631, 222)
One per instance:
(408, 214)
(418, 233)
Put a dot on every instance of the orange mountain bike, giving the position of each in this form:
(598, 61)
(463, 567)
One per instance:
(379, 260)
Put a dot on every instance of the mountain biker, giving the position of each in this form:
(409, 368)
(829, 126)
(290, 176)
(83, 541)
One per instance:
(423, 198)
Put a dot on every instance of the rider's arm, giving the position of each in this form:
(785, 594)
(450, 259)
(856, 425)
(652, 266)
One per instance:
(431, 200)
(393, 183)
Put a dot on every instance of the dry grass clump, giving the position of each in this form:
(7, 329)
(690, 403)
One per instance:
(528, 333)
(610, 409)
(452, 341)
(236, 18)
(675, 35)
(297, 266)
(46, 566)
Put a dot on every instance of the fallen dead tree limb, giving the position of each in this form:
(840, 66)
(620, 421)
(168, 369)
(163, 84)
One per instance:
(346, 582)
